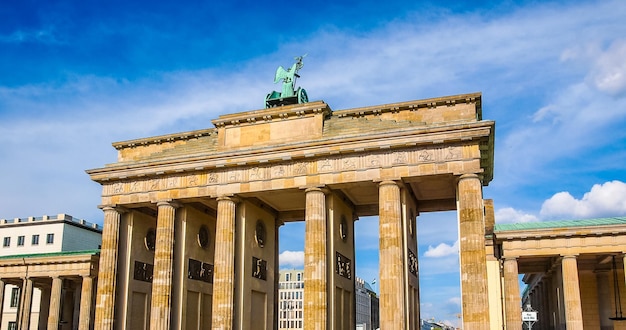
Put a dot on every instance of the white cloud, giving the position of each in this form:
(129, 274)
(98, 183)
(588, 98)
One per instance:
(291, 259)
(609, 70)
(511, 215)
(608, 199)
(442, 250)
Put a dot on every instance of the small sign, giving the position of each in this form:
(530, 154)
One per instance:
(344, 266)
(529, 316)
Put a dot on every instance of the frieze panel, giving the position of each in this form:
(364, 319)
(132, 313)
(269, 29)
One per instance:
(375, 160)
(300, 168)
(325, 165)
(279, 171)
(257, 173)
(286, 170)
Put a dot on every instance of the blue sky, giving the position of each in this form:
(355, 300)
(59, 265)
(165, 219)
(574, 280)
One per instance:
(76, 76)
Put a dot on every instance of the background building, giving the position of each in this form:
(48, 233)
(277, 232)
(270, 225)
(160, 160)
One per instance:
(367, 315)
(47, 268)
(290, 299)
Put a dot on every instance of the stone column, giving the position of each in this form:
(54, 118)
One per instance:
(105, 303)
(54, 313)
(86, 297)
(571, 293)
(2, 286)
(604, 299)
(475, 297)
(315, 267)
(392, 308)
(224, 276)
(161, 304)
(27, 302)
(512, 299)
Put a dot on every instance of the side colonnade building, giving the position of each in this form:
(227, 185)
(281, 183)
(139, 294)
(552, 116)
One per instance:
(191, 219)
(574, 271)
(48, 270)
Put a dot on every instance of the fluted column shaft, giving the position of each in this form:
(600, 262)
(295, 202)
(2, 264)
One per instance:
(475, 297)
(161, 305)
(224, 279)
(105, 303)
(512, 299)
(571, 294)
(55, 304)
(86, 296)
(392, 308)
(315, 268)
(27, 303)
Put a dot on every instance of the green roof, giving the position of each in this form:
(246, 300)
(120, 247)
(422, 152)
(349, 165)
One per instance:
(51, 254)
(561, 224)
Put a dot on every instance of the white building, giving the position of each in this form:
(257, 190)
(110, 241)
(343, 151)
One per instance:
(52, 257)
(290, 299)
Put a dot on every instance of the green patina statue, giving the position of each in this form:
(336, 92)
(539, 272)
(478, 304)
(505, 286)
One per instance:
(289, 94)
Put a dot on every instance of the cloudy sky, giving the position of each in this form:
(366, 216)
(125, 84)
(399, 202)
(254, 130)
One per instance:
(76, 76)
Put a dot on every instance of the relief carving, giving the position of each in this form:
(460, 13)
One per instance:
(301, 168)
(400, 158)
(348, 164)
(425, 156)
(279, 171)
(325, 165)
(453, 153)
(257, 173)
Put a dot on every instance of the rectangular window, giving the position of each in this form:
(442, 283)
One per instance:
(20, 241)
(12, 325)
(50, 239)
(6, 242)
(287, 277)
(35, 240)
(15, 297)
(299, 277)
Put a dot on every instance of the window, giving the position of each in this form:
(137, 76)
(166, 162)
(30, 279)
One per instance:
(50, 238)
(20, 241)
(299, 277)
(287, 277)
(6, 242)
(12, 325)
(15, 297)
(35, 240)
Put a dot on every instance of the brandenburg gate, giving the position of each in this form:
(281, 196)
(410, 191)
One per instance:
(191, 219)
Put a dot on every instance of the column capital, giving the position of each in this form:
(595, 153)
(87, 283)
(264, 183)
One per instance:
(569, 256)
(168, 202)
(230, 198)
(389, 183)
(510, 258)
(470, 176)
(321, 189)
(113, 207)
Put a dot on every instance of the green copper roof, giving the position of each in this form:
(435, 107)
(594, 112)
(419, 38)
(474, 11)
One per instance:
(561, 224)
(51, 254)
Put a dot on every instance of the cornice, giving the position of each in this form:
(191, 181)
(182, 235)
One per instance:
(401, 138)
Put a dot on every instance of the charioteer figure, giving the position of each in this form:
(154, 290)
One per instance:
(289, 94)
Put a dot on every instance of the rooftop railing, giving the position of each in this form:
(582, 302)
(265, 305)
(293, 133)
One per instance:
(62, 216)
